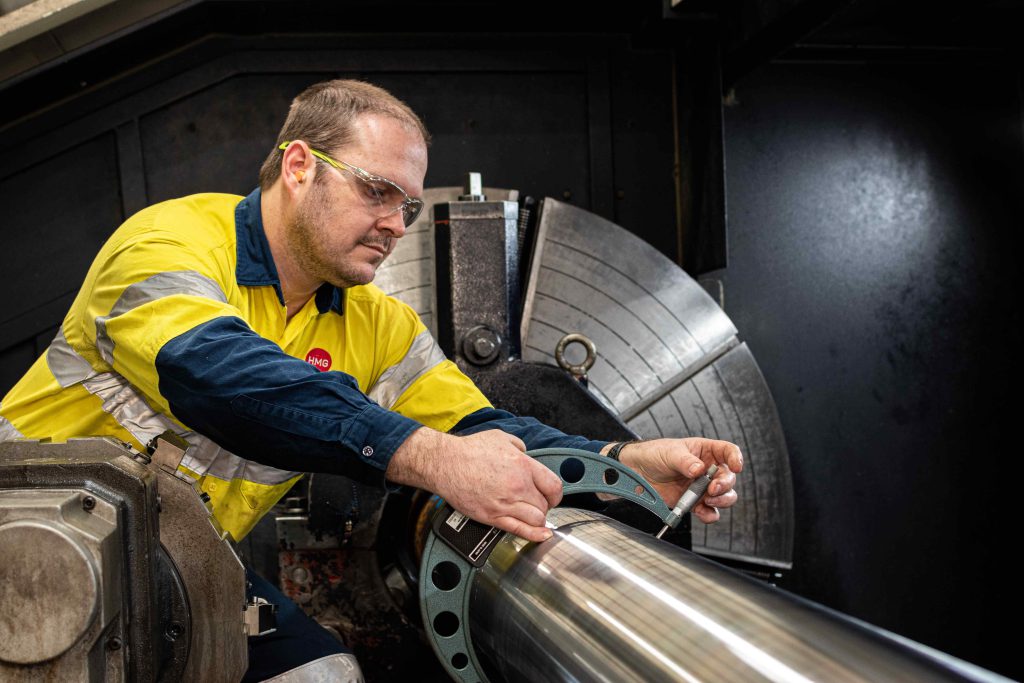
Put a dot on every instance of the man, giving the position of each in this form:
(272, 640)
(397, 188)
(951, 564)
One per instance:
(249, 326)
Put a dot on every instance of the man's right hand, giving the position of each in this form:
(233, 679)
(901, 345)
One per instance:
(486, 476)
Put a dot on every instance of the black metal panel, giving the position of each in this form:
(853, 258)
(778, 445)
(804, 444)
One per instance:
(215, 139)
(76, 188)
(14, 360)
(702, 209)
(493, 123)
(59, 212)
(644, 147)
(871, 211)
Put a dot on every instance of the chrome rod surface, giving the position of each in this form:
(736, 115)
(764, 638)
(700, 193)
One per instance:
(601, 601)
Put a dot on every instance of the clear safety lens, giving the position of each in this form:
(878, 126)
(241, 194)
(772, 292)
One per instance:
(381, 196)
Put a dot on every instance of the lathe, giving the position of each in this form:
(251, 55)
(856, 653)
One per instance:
(114, 570)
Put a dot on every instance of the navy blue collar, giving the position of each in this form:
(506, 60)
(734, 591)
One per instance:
(256, 264)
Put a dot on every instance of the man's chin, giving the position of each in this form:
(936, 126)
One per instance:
(354, 279)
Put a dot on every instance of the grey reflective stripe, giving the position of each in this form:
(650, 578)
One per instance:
(9, 432)
(339, 668)
(127, 405)
(206, 457)
(64, 362)
(120, 399)
(187, 282)
(423, 354)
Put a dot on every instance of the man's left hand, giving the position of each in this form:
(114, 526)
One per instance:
(671, 465)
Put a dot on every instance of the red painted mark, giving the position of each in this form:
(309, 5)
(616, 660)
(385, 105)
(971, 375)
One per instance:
(319, 359)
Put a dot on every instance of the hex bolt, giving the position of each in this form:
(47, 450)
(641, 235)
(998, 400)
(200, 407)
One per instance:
(484, 347)
(88, 503)
(114, 644)
(481, 345)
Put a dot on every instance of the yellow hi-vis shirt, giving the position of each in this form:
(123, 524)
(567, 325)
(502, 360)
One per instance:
(181, 325)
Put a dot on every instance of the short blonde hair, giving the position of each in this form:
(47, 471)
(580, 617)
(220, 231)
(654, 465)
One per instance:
(323, 116)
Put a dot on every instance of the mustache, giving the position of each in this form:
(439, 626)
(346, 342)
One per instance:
(383, 241)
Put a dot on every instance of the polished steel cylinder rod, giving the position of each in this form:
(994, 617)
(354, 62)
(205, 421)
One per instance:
(601, 601)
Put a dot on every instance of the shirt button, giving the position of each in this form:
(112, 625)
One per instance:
(367, 451)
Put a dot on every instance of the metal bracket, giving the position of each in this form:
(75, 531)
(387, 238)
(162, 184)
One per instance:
(446, 576)
(260, 617)
(167, 451)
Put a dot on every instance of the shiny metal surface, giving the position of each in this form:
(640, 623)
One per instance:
(340, 668)
(454, 551)
(604, 602)
(669, 363)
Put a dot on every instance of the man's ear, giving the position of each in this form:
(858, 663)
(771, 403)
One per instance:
(296, 166)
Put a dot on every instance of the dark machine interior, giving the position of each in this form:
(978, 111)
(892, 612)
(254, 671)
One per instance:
(843, 176)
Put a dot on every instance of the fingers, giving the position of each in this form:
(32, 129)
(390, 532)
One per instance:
(724, 481)
(707, 510)
(515, 440)
(537, 534)
(705, 513)
(548, 483)
(726, 500)
(530, 515)
(726, 453)
(679, 460)
(715, 451)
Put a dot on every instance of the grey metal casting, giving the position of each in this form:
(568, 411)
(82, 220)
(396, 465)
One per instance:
(114, 568)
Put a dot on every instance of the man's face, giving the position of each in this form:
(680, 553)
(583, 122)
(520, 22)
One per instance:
(334, 237)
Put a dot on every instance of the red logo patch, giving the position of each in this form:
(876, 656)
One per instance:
(319, 359)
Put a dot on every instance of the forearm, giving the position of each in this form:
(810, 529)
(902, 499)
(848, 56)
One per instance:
(415, 461)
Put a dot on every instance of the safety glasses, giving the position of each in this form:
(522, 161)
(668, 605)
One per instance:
(381, 196)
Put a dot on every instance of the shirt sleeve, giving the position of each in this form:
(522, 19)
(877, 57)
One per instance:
(534, 433)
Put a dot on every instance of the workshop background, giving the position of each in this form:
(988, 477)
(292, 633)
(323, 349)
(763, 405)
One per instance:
(845, 176)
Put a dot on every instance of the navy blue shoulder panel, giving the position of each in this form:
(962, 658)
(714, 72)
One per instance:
(533, 433)
(226, 382)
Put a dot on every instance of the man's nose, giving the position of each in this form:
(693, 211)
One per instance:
(393, 223)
